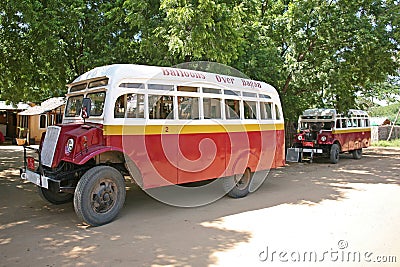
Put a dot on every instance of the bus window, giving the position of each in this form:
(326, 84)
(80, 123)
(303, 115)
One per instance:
(355, 123)
(344, 123)
(161, 107)
(74, 106)
(120, 106)
(349, 123)
(135, 106)
(132, 85)
(338, 124)
(97, 103)
(266, 110)
(250, 110)
(367, 123)
(164, 87)
(212, 108)
(328, 125)
(278, 113)
(211, 91)
(232, 109)
(249, 94)
(187, 89)
(188, 107)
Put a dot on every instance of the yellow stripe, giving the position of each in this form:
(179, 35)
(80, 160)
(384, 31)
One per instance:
(187, 129)
(352, 130)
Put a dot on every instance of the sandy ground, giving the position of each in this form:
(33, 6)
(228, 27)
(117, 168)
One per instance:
(303, 215)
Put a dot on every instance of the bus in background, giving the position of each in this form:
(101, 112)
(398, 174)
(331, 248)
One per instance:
(161, 126)
(326, 132)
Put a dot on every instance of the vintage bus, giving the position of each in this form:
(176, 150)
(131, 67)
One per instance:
(161, 126)
(326, 132)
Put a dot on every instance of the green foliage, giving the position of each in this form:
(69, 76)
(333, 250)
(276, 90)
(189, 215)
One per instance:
(316, 53)
(383, 143)
(389, 111)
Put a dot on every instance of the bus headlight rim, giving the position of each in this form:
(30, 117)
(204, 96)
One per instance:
(69, 146)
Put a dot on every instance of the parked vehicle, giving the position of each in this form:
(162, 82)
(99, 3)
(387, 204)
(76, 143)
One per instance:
(328, 133)
(152, 124)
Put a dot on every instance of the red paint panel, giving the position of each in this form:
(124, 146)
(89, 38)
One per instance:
(201, 156)
(172, 159)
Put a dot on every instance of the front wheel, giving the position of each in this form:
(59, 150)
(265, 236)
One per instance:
(99, 195)
(334, 153)
(237, 186)
(357, 154)
(55, 198)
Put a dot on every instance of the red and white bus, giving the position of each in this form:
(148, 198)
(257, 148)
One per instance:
(161, 126)
(326, 132)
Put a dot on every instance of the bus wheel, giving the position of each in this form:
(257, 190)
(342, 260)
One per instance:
(357, 154)
(99, 195)
(334, 154)
(55, 198)
(238, 185)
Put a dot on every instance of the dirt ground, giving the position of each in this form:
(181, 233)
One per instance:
(333, 211)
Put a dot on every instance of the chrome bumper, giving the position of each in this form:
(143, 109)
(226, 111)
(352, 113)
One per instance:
(35, 178)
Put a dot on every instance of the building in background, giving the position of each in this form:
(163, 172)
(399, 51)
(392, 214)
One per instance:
(8, 118)
(34, 121)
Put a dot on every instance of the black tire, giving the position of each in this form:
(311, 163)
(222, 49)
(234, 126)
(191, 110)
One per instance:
(357, 154)
(334, 153)
(56, 198)
(99, 195)
(237, 186)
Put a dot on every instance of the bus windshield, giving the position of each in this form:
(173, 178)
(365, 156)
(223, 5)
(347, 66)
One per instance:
(74, 106)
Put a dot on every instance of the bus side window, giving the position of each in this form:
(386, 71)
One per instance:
(120, 106)
(232, 109)
(328, 125)
(344, 123)
(135, 106)
(338, 123)
(349, 124)
(188, 107)
(367, 122)
(277, 112)
(250, 110)
(161, 107)
(266, 111)
(212, 108)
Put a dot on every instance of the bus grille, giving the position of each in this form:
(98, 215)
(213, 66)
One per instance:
(49, 145)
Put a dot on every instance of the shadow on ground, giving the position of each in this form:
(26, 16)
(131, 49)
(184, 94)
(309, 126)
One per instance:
(148, 232)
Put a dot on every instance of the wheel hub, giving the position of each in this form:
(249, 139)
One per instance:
(103, 198)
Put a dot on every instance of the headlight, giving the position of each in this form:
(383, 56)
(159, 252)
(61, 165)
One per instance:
(323, 138)
(70, 146)
(299, 137)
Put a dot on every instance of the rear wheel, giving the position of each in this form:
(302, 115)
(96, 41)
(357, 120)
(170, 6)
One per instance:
(55, 198)
(238, 185)
(357, 154)
(334, 153)
(99, 195)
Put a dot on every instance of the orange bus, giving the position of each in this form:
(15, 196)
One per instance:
(160, 126)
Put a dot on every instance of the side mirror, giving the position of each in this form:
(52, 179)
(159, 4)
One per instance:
(86, 106)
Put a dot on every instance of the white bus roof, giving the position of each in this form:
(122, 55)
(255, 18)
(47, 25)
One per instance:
(332, 112)
(118, 73)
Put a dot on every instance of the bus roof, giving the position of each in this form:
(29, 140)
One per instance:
(319, 112)
(123, 72)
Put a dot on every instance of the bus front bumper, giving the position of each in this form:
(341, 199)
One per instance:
(35, 178)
